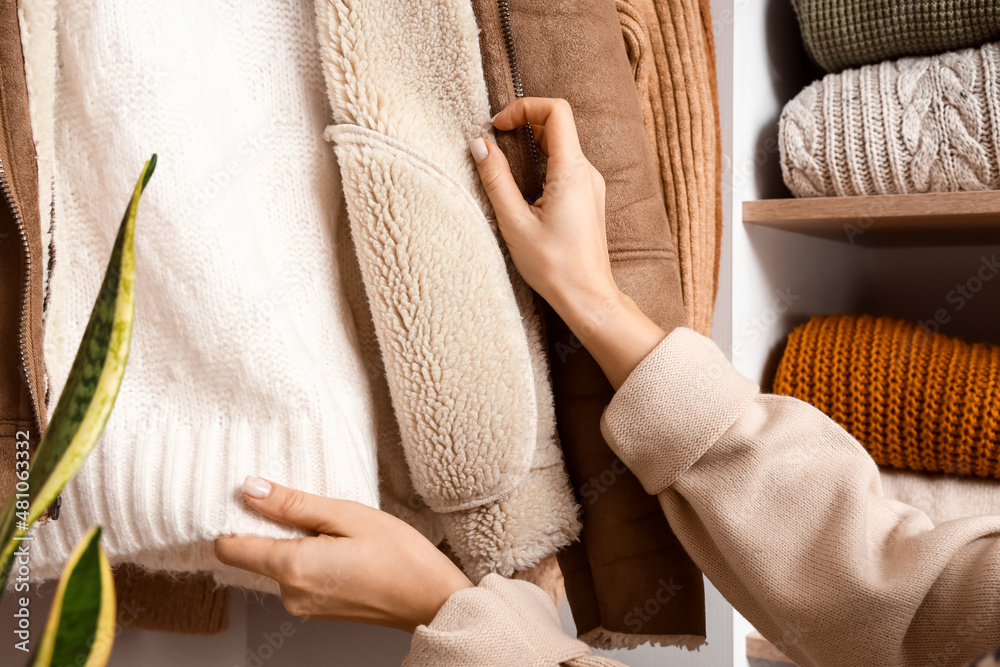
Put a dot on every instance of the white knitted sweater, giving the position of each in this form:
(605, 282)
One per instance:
(912, 125)
(244, 358)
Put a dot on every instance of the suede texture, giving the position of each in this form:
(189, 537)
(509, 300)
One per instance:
(626, 552)
(21, 366)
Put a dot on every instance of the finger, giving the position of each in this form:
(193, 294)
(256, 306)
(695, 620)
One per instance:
(561, 140)
(263, 555)
(306, 510)
(500, 186)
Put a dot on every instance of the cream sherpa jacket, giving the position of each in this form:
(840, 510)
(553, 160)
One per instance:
(464, 356)
(784, 512)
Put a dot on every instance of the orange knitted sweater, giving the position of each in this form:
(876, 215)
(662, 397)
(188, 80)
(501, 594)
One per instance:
(915, 400)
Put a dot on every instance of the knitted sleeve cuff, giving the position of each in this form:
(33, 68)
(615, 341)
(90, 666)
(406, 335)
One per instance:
(500, 622)
(673, 407)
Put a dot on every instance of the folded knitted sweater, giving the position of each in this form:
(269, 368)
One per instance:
(846, 33)
(913, 399)
(929, 124)
(244, 358)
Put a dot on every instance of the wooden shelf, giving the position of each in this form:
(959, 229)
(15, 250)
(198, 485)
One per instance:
(940, 218)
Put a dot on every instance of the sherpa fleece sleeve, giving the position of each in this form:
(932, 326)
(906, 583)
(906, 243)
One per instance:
(500, 622)
(784, 512)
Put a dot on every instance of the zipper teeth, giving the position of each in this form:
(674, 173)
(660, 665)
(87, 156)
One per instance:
(514, 63)
(23, 329)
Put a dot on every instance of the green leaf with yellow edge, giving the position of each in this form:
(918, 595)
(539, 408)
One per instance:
(90, 392)
(82, 619)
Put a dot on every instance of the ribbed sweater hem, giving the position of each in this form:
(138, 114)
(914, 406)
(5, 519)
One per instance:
(162, 501)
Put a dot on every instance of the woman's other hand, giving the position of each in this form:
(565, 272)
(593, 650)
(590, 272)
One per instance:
(363, 565)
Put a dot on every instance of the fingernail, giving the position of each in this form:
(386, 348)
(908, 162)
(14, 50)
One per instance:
(479, 150)
(255, 487)
(492, 120)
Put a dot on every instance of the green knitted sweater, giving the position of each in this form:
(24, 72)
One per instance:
(847, 33)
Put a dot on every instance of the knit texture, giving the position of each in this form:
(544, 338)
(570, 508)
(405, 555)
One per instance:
(461, 342)
(942, 497)
(846, 33)
(929, 124)
(784, 512)
(672, 52)
(496, 624)
(243, 357)
(187, 602)
(915, 400)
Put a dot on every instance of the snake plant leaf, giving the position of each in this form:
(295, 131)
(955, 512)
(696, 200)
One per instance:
(90, 391)
(82, 619)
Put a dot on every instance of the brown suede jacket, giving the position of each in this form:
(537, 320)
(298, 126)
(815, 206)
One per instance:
(22, 379)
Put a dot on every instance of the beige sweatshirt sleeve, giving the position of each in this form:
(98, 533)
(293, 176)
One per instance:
(499, 623)
(783, 510)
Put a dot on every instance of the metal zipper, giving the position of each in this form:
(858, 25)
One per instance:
(23, 329)
(514, 64)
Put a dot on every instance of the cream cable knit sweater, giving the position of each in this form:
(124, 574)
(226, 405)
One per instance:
(784, 512)
(244, 358)
(929, 124)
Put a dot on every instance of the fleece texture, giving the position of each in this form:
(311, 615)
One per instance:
(626, 547)
(396, 492)
(244, 358)
(925, 124)
(459, 336)
(785, 513)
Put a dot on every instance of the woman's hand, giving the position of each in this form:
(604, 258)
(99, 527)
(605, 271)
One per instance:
(561, 238)
(363, 565)
(559, 244)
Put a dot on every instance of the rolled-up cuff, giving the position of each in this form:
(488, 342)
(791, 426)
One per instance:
(500, 622)
(673, 407)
